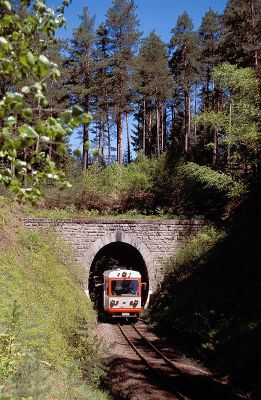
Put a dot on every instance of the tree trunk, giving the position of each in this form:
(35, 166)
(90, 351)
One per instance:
(215, 147)
(172, 117)
(230, 128)
(119, 137)
(172, 125)
(214, 104)
(216, 107)
(195, 112)
(128, 139)
(162, 129)
(85, 150)
(165, 127)
(102, 138)
(109, 137)
(157, 128)
(150, 129)
(139, 130)
(253, 33)
(187, 120)
(98, 129)
(207, 90)
(144, 127)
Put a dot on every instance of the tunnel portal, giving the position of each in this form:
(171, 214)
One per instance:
(150, 242)
(113, 255)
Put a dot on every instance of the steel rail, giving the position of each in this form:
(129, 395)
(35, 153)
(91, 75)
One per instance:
(150, 366)
(206, 391)
(172, 364)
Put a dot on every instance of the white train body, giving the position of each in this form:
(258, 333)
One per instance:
(122, 292)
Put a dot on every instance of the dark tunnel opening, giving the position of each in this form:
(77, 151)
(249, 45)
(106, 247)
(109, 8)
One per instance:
(113, 255)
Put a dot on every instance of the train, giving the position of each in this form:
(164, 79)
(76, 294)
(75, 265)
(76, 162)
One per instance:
(122, 291)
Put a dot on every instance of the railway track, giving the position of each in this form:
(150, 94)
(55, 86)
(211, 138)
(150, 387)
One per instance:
(182, 385)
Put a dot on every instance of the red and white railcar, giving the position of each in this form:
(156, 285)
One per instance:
(122, 293)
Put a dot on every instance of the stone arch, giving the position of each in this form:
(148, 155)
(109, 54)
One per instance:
(119, 236)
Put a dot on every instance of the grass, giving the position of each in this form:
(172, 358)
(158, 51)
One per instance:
(45, 317)
(57, 213)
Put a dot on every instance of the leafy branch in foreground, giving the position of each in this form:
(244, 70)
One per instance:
(25, 139)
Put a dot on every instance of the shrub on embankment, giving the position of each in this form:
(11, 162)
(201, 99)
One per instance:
(47, 345)
(210, 297)
(147, 186)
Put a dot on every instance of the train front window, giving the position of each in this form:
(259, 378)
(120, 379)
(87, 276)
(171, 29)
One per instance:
(125, 287)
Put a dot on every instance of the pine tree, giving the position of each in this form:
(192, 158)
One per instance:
(184, 62)
(210, 37)
(81, 66)
(102, 88)
(122, 25)
(154, 84)
(241, 43)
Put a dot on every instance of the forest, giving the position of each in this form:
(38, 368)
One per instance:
(188, 109)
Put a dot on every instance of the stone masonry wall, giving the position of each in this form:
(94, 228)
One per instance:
(154, 239)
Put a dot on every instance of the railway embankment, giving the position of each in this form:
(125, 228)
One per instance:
(47, 346)
(210, 298)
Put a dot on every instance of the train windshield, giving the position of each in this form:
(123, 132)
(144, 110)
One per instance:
(125, 287)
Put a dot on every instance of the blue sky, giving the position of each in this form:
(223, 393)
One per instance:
(160, 15)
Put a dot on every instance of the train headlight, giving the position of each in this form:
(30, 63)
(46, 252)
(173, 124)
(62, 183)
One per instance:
(124, 274)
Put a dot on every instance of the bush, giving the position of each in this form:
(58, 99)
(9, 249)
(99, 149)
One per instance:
(115, 188)
(151, 186)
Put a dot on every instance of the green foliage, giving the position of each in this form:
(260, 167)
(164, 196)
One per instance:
(122, 25)
(116, 185)
(153, 77)
(210, 179)
(213, 118)
(9, 354)
(23, 142)
(192, 249)
(239, 120)
(241, 33)
(147, 187)
(108, 189)
(39, 355)
(209, 298)
(177, 269)
(185, 53)
(241, 81)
